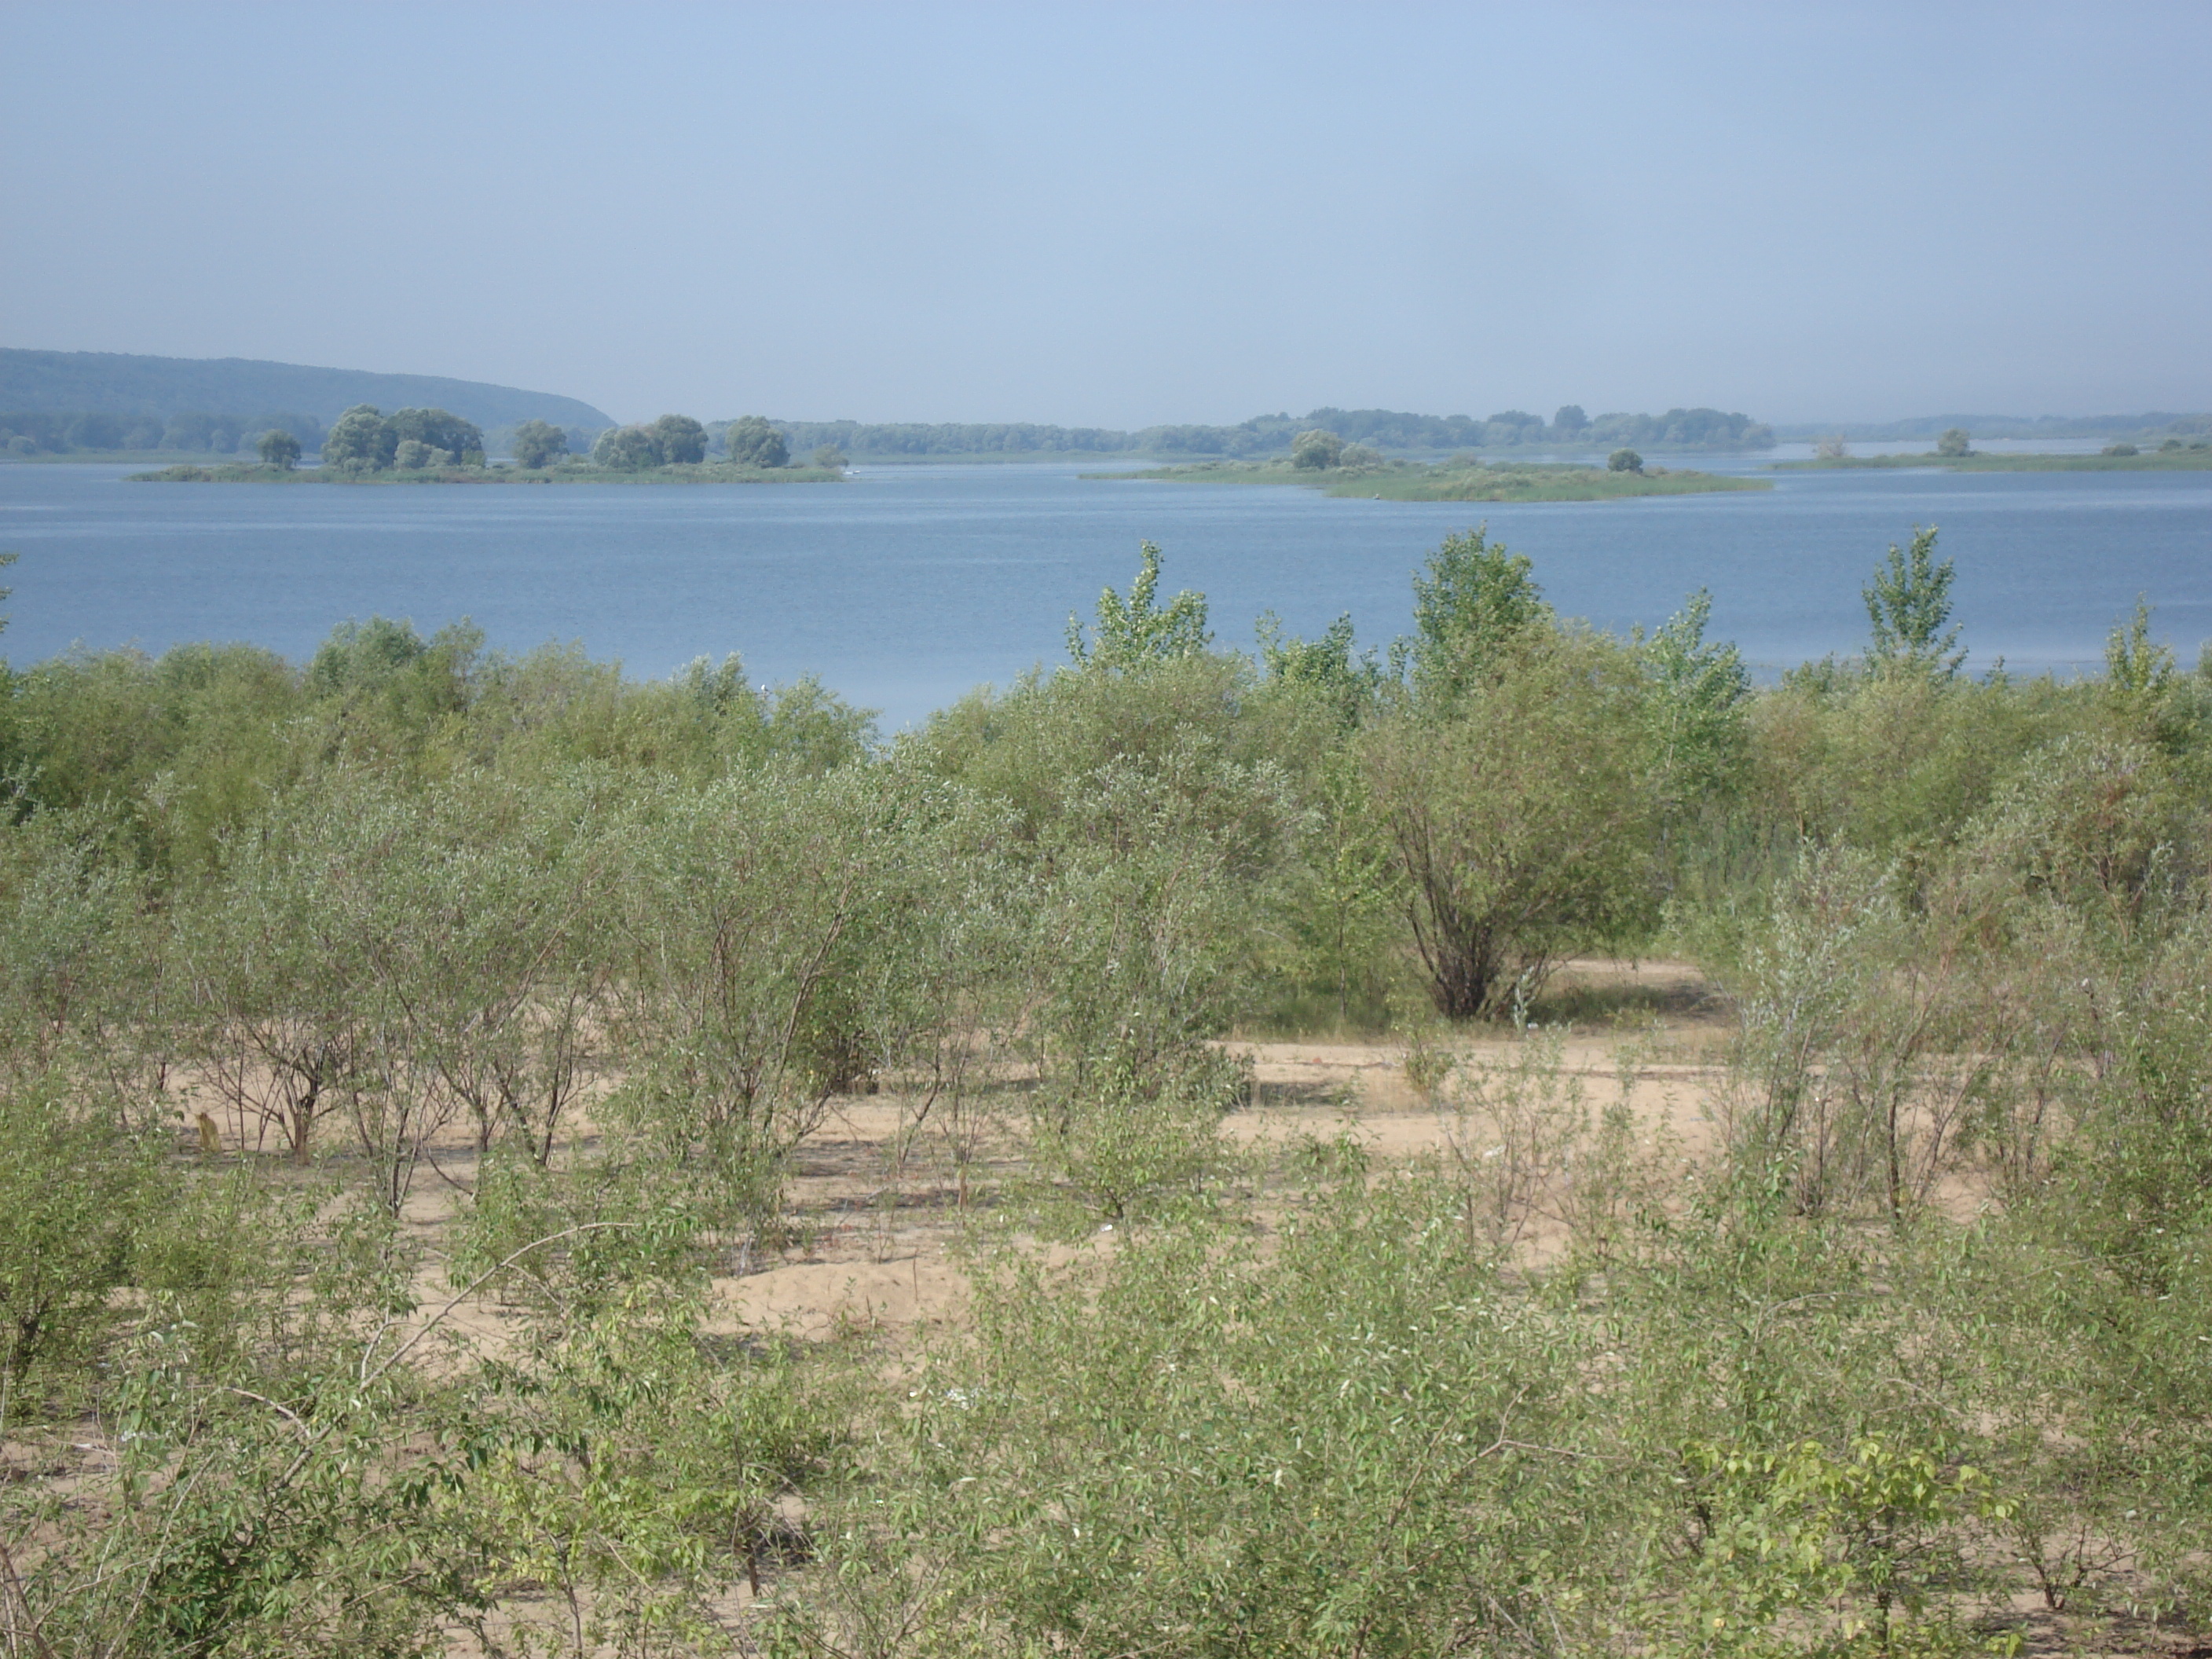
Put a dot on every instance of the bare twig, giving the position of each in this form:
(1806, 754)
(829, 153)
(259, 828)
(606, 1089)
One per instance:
(22, 1626)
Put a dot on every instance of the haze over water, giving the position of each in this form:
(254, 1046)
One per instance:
(909, 585)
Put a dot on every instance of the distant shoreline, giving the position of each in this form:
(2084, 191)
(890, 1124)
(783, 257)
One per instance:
(2170, 460)
(1510, 481)
(710, 473)
(121, 458)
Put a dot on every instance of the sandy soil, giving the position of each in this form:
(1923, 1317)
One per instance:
(878, 1211)
(884, 1254)
(878, 1222)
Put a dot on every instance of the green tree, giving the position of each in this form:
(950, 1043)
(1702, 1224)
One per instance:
(387, 695)
(626, 449)
(360, 441)
(413, 455)
(1522, 817)
(752, 442)
(1133, 633)
(1333, 942)
(1316, 450)
(1908, 602)
(750, 914)
(363, 653)
(280, 982)
(681, 440)
(1476, 599)
(1888, 762)
(2137, 668)
(71, 1188)
(1698, 693)
(279, 448)
(829, 457)
(538, 443)
(498, 978)
(1955, 441)
(96, 431)
(180, 746)
(1570, 422)
(12, 758)
(1625, 460)
(1324, 668)
(1144, 880)
(81, 961)
(440, 429)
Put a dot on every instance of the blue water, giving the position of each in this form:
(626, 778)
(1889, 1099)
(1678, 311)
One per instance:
(909, 585)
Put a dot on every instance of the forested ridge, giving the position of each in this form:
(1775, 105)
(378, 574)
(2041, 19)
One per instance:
(422, 1068)
(134, 386)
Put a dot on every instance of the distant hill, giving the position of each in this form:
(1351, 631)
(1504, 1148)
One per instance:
(115, 383)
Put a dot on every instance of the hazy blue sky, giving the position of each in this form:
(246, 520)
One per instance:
(1124, 214)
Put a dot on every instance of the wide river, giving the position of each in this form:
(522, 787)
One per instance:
(907, 586)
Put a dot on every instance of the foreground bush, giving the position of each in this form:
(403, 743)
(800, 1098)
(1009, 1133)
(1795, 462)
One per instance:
(506, 996)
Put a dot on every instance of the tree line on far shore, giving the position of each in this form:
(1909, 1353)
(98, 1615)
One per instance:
(536, 442)
(676, 441)
(192, 432)
(1265, 435)
(366, 440)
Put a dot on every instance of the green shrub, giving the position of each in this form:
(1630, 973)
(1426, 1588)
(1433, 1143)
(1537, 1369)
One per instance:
(1308, 1449)
(74, 1189)
(747, 917)
(1521, 816)
(1130, 1143)
(84, 961)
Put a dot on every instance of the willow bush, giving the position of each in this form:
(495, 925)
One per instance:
(1518, 816)
(1916, 1341)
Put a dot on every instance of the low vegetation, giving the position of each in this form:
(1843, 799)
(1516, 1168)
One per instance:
(417, 446)
(1353, 473)
(1274, 436)
(576, 471)
(2147, 429)
(2173, 455)
(94, 435)
(423, 1070)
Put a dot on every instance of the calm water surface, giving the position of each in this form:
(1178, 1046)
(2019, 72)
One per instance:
(909, 585)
